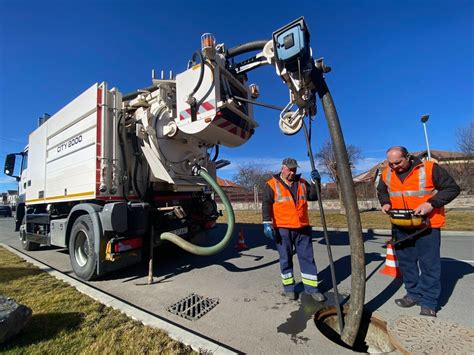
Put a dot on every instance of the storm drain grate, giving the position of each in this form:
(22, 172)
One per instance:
(193, 306)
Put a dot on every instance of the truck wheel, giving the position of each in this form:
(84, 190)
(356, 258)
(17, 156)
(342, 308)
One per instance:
(81, 248)
(26, 244)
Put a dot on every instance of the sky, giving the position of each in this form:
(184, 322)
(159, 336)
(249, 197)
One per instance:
(392, 61)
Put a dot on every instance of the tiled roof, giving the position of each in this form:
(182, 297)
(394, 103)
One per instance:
(226, 183)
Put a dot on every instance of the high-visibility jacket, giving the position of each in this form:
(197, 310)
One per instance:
(288, 213)
(415, 189)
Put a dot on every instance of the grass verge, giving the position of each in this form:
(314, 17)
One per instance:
(455, 220)
(66, 321)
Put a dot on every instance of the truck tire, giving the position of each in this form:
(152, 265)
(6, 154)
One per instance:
(81, 248)
(26, 244)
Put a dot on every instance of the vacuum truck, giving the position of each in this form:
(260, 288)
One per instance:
(112, 174)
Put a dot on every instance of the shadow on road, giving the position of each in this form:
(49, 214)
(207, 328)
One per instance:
(170, 260)
(342, 238)
(342, 268)
(452, 270)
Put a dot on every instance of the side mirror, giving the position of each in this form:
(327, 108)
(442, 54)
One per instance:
(10, 166)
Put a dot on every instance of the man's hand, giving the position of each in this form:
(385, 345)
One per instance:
(385, 208)
(268, 230)
(315, 177)
(423, 209)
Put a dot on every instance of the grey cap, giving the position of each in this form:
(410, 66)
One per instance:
(290, 163)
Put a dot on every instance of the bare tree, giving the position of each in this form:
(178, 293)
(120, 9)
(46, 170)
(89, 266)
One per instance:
(250, 176)
(465, 139)
(462, 172)
(327, 159)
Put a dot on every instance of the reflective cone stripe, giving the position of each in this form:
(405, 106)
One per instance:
(391, 265)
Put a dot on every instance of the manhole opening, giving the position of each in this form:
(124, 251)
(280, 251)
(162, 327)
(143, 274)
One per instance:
(193, 306)
(372, 338)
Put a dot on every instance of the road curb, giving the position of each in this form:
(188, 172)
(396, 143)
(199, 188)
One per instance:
(196, 342)
(389, 232)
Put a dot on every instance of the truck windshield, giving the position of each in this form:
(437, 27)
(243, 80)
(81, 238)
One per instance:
(24, 162)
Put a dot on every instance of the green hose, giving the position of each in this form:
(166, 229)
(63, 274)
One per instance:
(205, 251)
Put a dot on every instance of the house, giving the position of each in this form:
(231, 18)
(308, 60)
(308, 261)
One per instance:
(12, 197)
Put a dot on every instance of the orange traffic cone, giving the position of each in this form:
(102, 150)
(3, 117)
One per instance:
(391, 264)
(241, 241)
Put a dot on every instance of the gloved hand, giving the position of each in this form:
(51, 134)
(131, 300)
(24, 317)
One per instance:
(268, 230)
(315, 177)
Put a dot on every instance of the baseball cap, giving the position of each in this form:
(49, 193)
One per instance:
(290, 163)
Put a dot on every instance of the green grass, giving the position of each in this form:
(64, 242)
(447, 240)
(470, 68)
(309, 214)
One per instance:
(69, 322)
(455, 220)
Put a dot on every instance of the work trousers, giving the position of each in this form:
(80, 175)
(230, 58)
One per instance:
(420, 263)
(299, 240)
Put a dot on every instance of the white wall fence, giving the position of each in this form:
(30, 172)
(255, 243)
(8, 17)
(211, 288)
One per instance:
(460, 202)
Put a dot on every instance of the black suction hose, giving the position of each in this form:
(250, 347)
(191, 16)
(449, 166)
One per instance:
(244, 48)
(201, 73)
(325, 231)
(356, 303)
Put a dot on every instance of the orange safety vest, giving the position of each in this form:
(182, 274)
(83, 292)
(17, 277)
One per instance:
(417, 188)
(288, 213)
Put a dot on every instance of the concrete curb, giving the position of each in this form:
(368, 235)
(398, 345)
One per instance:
(196, 342)
(389, 232)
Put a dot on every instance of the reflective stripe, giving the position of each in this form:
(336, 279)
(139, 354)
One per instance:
(286, 276)
(288, 281)
(302, 196)
(422, 177)
(279, 197)
(309, 277)
(387, 179)
(412, 193)
(392, 263)
(421, 183)
(310, 282)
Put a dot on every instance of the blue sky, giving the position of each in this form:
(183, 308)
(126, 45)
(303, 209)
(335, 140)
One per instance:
(392, 62)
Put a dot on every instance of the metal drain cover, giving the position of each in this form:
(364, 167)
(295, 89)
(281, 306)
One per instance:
(193, 306)
(425, 335)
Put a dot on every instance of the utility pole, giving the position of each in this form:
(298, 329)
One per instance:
(424, 119)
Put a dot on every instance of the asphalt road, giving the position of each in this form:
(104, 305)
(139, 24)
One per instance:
(252, 316)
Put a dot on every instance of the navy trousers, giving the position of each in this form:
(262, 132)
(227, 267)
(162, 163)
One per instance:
(420, 263)
(299, 240)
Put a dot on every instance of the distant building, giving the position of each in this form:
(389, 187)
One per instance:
(12, 197)
(227, 183)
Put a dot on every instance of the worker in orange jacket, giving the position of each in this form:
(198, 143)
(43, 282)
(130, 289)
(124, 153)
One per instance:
(285, 220)
(407, 183)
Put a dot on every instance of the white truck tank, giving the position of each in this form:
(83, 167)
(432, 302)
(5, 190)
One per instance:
(70, 153)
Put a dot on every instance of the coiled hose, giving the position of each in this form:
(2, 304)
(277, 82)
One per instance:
(205, 251)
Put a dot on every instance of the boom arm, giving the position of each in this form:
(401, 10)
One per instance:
(210, 104)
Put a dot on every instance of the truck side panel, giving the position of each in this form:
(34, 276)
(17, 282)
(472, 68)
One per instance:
(63, 153)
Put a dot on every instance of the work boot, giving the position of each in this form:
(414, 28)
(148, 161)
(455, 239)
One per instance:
(318, 297)
(406, 302)
(291, 295)
(425, 311)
